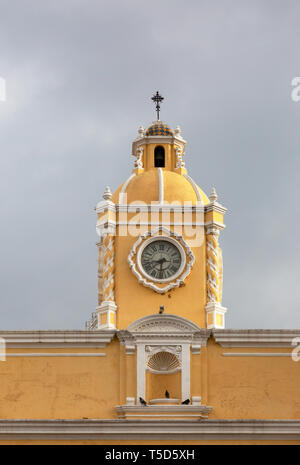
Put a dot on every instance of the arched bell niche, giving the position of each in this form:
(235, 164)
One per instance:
(163, 373)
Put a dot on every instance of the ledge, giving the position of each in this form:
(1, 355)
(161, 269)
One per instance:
(183, 430)
(255, 337)
(163, 411)
(57, 339)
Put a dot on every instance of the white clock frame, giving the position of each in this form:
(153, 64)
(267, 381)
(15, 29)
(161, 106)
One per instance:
(167, 239)
(134, 260)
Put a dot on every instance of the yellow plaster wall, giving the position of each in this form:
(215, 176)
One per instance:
(156, 385)
(91, 387)
(252, 387)
(60, 387)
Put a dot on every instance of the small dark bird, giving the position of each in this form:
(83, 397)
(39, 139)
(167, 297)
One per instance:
(142, 401)
(161, 309)
(167, 394)
(186, 402)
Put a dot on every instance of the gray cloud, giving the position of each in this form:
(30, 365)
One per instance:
(80, 75)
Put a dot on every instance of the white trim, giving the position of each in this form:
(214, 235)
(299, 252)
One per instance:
(195, 187)
(124, 187)
(190, 260)
(155, 207)
(215, 207)
(162, 411)
(213, 309)
(105, 205)
(166, 239)
(255, 337)
(157, 140)
(57, 339)
(160, 186)
(147, 429)
(109, 308)
(51, 354)
(257, 354)
(141, 372)
(159, 223)
(186, 372)
(159, 323)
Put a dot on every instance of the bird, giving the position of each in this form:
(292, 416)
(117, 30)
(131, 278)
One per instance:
(142, 401)
(186, 402)
(161, 309)
(167, 394)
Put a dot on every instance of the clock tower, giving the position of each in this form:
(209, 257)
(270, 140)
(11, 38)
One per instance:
(159, 239)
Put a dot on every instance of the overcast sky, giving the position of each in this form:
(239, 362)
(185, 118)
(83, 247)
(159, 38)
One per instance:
(79, 78)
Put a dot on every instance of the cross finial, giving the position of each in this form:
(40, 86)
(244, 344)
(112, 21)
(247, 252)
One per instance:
(157, 98)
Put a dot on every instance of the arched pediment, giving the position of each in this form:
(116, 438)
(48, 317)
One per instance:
(165, 323)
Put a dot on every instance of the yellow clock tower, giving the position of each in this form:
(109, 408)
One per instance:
(159, 239)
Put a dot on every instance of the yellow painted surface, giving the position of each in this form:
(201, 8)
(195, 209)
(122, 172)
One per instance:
(60, 387)
(214, 216)
(91, 387)
(158, 384)
(103, 318)
(219, 319)
(252, 387)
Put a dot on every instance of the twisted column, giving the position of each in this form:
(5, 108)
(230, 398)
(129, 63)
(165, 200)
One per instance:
(213, 268)
(108, 279)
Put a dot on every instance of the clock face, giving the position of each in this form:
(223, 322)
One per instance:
(161, 260)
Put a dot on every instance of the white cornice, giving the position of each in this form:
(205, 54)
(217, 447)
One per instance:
(157, 140)
(215, 207)
(57, 339)
(255, 337)
(190, 411)
(134, 208)
(105, 205)
(136, 430)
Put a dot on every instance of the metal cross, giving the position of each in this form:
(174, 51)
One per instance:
(157, 98)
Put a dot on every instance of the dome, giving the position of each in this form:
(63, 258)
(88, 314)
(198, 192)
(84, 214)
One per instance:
(159, 128)
(159, 184)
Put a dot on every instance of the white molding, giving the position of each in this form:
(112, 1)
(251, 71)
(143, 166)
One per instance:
(106, 227)
(213, 227)
(214, 308)
(255, 337)
(141, 372)
(195, 187)
(52, 354)
(161, 331)
(257, 354)
(176, 243)
(166, 324)
(108, 308)
(163, 411)
(159, 223)
(145, 281)
(156, 207)
(145, 140)
(124, 187)
(105, 205)
(57, 339)
(186, 372)
(147, 429)
(215, 207)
